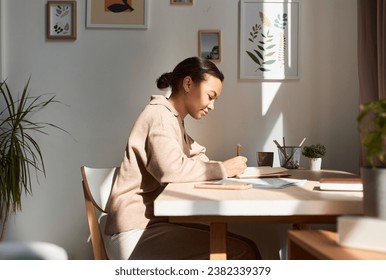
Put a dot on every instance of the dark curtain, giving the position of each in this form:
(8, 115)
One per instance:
(371, 51)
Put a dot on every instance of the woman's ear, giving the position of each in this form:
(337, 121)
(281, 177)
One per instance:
(187, 83)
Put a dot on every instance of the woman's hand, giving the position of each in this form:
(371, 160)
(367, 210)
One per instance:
(235, 166)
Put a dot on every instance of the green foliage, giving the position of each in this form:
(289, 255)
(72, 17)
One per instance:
(264, 50)
(259, 55)
(19, 151)
(314, 151)
(281, 21)
(372, 123)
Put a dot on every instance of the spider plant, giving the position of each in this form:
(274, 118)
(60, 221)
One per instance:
(19, 150)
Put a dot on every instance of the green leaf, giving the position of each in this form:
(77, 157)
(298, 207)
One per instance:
(259, 54)
(269, 62)
(254, 58)
(271, 46)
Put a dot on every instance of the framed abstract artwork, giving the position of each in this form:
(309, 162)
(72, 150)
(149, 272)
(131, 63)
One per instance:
(61, 20)
(129, 14)
(269, 35)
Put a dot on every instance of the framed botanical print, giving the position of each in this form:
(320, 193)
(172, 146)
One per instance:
(61, 20)
(269, 35)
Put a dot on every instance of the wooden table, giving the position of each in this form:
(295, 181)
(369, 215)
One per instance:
(322, 245)
(183, 203)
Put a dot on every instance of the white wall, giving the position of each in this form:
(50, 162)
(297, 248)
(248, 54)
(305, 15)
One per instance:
(107, 76)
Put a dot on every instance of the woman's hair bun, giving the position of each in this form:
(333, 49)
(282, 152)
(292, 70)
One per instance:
(164, 81)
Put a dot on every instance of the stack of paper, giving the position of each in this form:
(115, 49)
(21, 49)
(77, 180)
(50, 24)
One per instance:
(263, 172)
(341, 184)
(362, 233)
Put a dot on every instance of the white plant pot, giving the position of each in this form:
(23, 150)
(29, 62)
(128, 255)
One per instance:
(315, 163)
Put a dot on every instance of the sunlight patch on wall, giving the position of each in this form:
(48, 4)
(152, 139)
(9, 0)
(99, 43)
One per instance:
(268, 93)
(276, 132)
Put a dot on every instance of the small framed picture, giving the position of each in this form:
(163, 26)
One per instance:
(209, 44)
(181, 2)
(61, 20)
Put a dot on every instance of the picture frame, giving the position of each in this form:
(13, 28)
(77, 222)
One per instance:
(209, 44)
(117, 14)
(61, 20)
(181, 2)
(269, 39)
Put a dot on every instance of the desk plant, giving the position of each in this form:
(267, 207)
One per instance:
(372, 125)
(20, 152)
(315, 153)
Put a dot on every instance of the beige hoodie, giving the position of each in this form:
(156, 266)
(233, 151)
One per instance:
(158, 152)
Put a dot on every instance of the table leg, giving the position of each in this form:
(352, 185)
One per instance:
(218, 241)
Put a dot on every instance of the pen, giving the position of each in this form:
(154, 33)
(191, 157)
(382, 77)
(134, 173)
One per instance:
(301, 143)
(281, 149)
(238, 150)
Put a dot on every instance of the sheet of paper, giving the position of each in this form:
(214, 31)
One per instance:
(267, 183)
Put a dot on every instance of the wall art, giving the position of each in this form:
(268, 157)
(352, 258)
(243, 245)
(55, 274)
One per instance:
(129, 14)
(209, 44)
(61, 20)
(181, 2)
(269, 35)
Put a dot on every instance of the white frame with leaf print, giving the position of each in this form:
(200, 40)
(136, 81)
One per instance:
(269, 35)
(61, 20)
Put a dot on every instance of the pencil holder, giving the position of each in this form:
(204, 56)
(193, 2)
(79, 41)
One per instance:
(289, 157)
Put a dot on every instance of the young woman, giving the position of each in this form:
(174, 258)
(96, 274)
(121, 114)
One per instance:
(158, 152)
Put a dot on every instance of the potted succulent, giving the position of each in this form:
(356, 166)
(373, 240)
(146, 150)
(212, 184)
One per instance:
(372, 126)
(314, 152)
(19, 150)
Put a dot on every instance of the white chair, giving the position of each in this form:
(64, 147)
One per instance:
(97, 184)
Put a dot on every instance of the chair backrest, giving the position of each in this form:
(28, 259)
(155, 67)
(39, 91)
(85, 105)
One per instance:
(97, 184)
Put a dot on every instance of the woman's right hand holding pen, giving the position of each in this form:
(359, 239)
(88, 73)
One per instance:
(235, 166)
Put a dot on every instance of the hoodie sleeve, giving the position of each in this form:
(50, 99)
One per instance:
(173, 156)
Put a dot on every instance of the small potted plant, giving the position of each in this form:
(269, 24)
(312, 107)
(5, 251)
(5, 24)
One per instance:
(315, 153)
(372, 126)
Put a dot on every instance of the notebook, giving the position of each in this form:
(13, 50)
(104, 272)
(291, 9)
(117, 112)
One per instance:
(263, 172)
(341, 184)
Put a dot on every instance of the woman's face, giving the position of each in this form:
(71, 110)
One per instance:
(200, 97)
